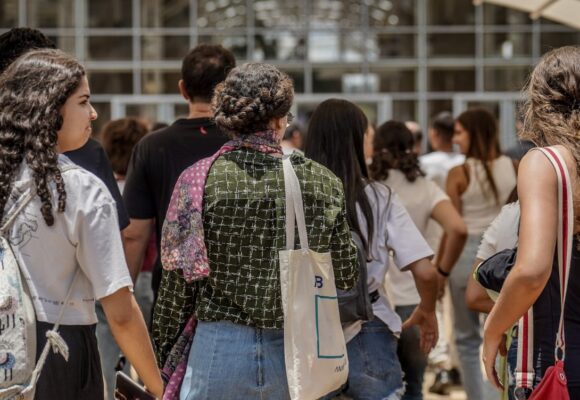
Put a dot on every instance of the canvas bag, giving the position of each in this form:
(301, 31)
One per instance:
(18, 370)
(553, 384)
(314, 346)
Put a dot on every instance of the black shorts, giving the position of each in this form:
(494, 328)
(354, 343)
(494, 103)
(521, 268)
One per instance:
(79, 378)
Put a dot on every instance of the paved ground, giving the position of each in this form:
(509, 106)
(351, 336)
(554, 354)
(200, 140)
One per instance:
(457, 393)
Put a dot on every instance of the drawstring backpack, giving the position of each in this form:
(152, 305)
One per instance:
(19, 372)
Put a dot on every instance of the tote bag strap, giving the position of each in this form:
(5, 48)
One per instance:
(524, 370)
(294, 207)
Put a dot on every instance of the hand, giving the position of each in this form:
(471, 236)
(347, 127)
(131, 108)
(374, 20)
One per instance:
(427, 323)
(491, 346)
(442, 285)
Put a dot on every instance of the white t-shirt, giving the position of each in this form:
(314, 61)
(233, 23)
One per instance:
(502, 233)
(437, 164)
(86, 236)
(419, 198)
(393, 231)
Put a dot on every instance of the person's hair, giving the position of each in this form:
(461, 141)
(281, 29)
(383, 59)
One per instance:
(552, 107)
(443, 123)
(393, 149)
(33, 90)
(203, 68)
(335, 139)
(250, 97)
(484, 145)
(119, 137)
(289, 132)
(18, 41)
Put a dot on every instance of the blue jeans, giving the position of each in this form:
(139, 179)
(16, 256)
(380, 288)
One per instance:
(413, 360)
(233, 361)
(374, 369)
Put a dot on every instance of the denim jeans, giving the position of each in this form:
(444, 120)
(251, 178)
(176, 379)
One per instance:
(413, 360)
(233, 361)
(374, 369)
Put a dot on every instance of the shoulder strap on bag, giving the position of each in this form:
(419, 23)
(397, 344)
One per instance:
(294, 207)
(524, 370)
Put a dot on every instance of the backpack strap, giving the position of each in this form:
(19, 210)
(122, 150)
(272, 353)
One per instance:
(9, 219)
(524, 371)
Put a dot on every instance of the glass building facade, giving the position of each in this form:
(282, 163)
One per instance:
(403, 59)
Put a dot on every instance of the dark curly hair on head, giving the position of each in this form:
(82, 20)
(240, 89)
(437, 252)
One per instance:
(119, 137)
(18, 41)
(33, 90)
(393, 149)
(251, 96)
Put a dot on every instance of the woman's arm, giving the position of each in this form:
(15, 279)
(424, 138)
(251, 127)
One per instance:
(537, 190)
(424, 314)
(128, 328)
(446, 215)
(475, 295)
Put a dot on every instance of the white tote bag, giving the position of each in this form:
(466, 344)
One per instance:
(314, 345)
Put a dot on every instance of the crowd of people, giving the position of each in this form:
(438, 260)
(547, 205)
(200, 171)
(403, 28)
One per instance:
(132, 238)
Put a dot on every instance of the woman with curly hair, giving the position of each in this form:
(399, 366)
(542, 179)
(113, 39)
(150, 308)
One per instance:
(337, 135)
(225, 225)
(397, 165)
(478, 189)
(66, 232)
(552, 118)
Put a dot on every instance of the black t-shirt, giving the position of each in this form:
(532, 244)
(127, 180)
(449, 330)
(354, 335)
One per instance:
(157, 162)
(93, 158)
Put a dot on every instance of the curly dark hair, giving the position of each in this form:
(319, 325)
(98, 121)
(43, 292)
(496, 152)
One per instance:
(393, 149)
(18, 41)
(33, 90)
(552, 108)
(119, 137)
(250, 97)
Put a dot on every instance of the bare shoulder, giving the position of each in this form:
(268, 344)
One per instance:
(457, 178)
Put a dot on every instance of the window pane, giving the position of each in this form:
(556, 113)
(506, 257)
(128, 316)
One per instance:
(390, 45)
(8, 13)
(434, 107)
(64, 43)
(334, 46)
(147, 112)
(111, 82)
(505, 78)
(497, 15)
(164, 47)
(109, 14)
(331, 80)
(165, 13)
(448, 45)
(298, 79)
(110, 48)
(391, 13)
(336, 13)
(450, 12)
(269, 45)
(221, 14)
(395, 80)
(50, 13)
(507, 45)
(404, 110)
(452, 80)
(160, 82)
(552, 40)
(236, 43)
(270, 13)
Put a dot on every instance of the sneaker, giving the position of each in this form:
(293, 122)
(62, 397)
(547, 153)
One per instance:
(455, 377)
(441, 384)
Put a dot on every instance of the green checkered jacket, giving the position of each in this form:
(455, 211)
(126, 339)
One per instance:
(244, 223)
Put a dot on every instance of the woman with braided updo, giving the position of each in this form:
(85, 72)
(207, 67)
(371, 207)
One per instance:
(62, 225)
(225, 226)
(552, 118)
(397, 165)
